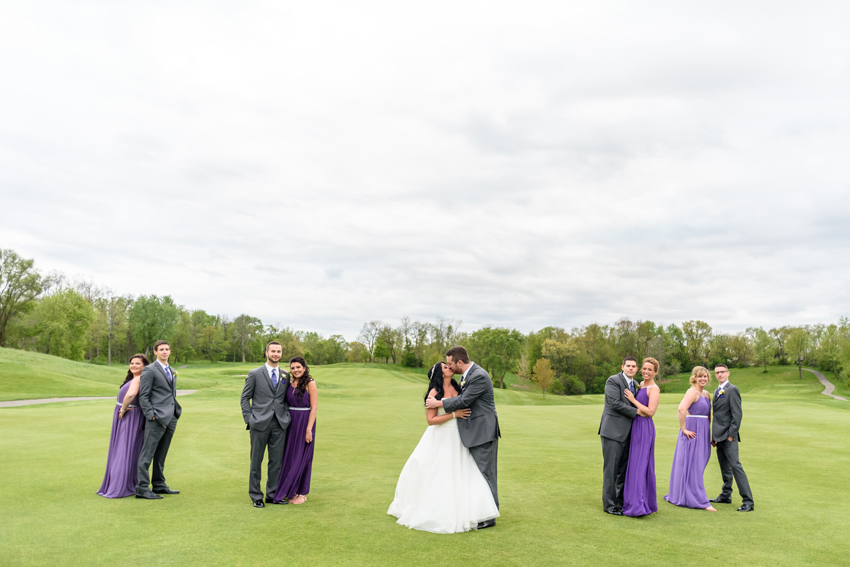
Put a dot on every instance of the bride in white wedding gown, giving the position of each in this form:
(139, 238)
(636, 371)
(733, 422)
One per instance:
(440, 489)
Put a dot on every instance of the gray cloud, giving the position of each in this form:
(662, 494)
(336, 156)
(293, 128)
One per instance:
(325, 164)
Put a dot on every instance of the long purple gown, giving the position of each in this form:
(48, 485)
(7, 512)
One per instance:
(639, 496)
(125, 444)
(687, 488)
(298, 455)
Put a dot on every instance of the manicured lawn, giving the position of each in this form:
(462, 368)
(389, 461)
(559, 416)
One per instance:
(778, 382)
(795, 450)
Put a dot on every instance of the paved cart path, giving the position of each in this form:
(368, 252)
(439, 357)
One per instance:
(828, 387)
(17, 403)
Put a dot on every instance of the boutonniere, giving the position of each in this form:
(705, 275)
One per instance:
(462, 383)
(720, 393)
(174, 373)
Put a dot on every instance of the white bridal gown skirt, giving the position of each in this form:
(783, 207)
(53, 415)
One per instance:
(440, 489)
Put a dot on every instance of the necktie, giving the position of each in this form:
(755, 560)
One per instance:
(274, 377)
(632, 386)
(168, 373)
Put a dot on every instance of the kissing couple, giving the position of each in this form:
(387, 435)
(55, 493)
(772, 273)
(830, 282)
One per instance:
(448, 484)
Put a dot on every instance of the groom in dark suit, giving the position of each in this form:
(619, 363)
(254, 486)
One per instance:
(266, 415)
(725, 436)
(480, 433)
(616, 431)
(158, 400)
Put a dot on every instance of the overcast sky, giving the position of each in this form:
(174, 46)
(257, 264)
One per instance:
(320, 164)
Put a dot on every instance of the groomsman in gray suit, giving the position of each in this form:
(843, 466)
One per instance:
(266, 416)
(480, 433)
(158, 400)
(725, 436)
(616, 432)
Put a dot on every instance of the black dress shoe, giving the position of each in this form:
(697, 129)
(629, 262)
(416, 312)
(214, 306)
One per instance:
(721, 500)
(614, 512)
(259, 504)
(166, 491)
(746, 508)
(271, 501)
(484, 525)
(149, 496)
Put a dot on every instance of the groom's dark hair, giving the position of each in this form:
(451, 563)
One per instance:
(458, 354)
(628, 358)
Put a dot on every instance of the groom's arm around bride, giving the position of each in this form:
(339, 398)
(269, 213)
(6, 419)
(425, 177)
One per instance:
(480, 432)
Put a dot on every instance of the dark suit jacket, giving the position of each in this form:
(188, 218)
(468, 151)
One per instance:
(727, 414)
(619, 412)
(266, 402)
(476, 393)
(158, 396)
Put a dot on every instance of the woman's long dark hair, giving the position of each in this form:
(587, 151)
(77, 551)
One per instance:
(129, 377)
(301, 386)
(435, 381)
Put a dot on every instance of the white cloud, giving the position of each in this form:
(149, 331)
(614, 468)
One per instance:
(322, 164)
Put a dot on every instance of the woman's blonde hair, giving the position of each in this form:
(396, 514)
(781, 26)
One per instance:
(652, 361)
(697, 372)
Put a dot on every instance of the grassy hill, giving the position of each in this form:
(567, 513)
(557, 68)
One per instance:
(28, 375)
(778, 382)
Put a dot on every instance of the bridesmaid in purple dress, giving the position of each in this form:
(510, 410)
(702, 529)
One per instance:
(302, 396)
(693, 447)
(125, 443)
(639, 496)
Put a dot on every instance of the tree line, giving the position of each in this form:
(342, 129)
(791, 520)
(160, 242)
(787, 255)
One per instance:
(81, 321)
(579, 360)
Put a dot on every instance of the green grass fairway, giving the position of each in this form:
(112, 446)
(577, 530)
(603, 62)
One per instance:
(795, 451)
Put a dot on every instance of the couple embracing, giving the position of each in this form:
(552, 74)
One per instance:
(628, 440)
(448, 484)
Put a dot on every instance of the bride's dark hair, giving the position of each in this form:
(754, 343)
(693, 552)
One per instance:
(435, 381)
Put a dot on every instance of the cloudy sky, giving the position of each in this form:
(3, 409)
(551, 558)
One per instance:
(320, 164)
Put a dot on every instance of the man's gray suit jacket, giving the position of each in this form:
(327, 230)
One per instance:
(727, 414)
(476, 393)
(619, 412)
(266, 402)
(158, 396)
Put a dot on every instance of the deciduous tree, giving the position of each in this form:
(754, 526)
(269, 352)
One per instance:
(764, 346)
(20, 285)
(543, 375)
(152, 318)
(697, 334)
(62, 322)
(797, 346)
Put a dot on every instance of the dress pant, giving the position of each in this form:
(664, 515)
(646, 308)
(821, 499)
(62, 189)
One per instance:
(485, 457)
(274, 437)
(731, 467)
(615, 456)
(154, 450)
